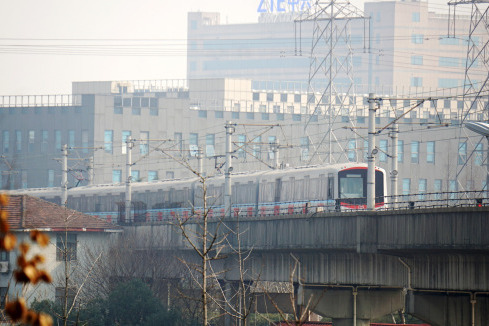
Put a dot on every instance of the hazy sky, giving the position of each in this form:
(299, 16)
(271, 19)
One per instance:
(45, 45)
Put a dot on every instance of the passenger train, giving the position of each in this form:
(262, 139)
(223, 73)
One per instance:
(275, 192)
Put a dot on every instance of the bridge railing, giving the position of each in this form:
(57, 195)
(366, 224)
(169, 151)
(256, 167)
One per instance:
(437, 200)
(249, 211)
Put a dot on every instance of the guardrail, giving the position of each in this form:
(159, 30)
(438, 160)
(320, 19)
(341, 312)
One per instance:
(248, 211)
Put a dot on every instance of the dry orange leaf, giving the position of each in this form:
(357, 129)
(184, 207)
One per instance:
(3, 199)
(24, 248)
(8, 242)
(16, 310)
(39, 237)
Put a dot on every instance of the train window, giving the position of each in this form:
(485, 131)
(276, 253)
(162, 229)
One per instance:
(330, 186)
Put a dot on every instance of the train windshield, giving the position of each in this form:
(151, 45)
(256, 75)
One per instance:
(352, 184)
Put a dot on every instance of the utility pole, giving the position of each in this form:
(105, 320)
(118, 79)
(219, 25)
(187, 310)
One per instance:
(200, 161)
(394, 171)
(275, 150)
(372, 150)
(230, 129)
(64, 176)
(129, 146)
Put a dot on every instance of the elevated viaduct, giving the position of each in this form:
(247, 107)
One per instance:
(357, 266)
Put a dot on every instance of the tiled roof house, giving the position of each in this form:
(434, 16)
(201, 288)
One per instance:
(80, 232)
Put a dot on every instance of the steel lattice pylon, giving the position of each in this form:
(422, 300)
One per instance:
(330, 68)
(476, 80)
(476, 86)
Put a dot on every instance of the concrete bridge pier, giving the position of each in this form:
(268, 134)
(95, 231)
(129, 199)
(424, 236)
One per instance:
(345, 305)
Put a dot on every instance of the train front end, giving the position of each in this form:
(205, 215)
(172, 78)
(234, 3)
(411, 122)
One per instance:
(352, 188)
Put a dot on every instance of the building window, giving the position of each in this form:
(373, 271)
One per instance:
(272, 140)
(452, 189)
(144, 142)
(417, 60)
(57, 140)
(478, 160)
(437, 188)
(152, 175)
(194, 144)
(297, 98)
(118, 110)
(66, 244)
(241, 146)
(296, 117)
(71, 138)
(400, 151)
(3, 296)
(18, 141)
(422, 188)
(116, 176)
(430, 152)
(44, 141)
(178, 141)
(462, 153)
(415, 17)
(269, 97)
(126, 134)
(250, 115)
(136, 111)
(257, 147)
(31, 141)
(202, 114)
(60, 294)
(283, 98)
(234, 115)
(304, 148)
(135, 176)
(50, 178)
(416, 82)
(265, 116)
(417, 38)
(210, 140)
(4, 256)
(383, 145)
(256, 96)
(108, 140)
(219, 114)
(6, 141)
(406, 186)
(352, 154)
(415, 152)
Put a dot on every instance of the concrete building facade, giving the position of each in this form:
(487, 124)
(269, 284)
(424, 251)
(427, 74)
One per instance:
(171, 120)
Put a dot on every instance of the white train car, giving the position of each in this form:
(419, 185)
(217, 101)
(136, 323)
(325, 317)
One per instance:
(275, 192)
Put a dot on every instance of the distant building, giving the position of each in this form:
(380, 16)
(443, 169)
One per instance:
(410, 49)
(82, 232)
